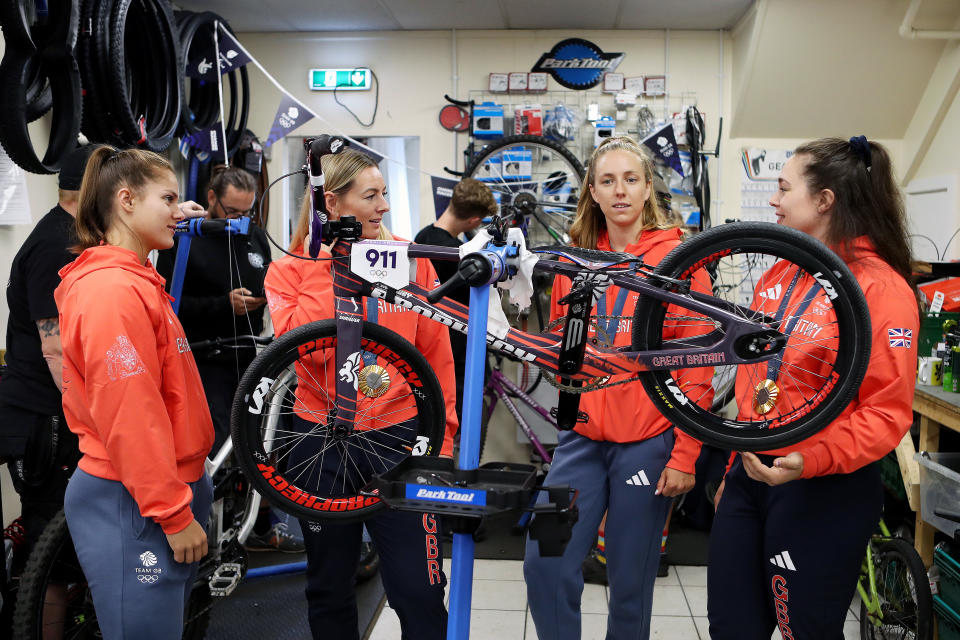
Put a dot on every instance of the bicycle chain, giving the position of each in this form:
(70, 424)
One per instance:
(551, 378)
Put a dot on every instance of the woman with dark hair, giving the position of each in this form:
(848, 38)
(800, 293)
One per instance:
(301, 291)
(138, 502)
(623, 457)
(791, 527)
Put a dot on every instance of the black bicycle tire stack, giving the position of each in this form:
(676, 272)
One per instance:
(129, 57)
(39, 73)
(114, 70)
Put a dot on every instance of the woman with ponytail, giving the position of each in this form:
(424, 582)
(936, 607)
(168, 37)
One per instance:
(623, 456)
(791, 524)
(137, 504)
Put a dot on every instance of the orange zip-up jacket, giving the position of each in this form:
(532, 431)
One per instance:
(624, 413)
(132, 393)
(881, 412)
(301, 291)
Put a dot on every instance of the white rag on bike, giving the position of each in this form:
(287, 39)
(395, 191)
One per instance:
(521, 285)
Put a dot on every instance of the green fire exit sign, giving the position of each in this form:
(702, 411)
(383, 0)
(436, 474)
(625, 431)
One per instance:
(357, 79)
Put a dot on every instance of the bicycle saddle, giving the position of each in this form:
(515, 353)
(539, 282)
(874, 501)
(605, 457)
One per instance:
(588, 258)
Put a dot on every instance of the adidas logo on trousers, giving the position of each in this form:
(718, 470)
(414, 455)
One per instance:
(783, 561)
(638, 479)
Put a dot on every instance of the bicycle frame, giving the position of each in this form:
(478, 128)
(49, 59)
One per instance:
(871, 600)
(543, 349)
(500, 387)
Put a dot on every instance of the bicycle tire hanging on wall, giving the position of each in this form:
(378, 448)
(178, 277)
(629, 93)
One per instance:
(38, 73)
(130, 65)
(201, 102)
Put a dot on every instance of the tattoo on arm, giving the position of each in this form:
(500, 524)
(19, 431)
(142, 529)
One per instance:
(48, 327)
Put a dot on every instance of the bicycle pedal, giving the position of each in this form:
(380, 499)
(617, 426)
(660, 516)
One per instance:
(225, 579)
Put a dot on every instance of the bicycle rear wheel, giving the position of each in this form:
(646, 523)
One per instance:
(787, 282)
(310, 470)
(539, 172)
(903, 594)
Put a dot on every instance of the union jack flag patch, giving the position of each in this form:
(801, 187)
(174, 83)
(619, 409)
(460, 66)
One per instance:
(900, 337)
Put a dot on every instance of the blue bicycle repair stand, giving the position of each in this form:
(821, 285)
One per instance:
(461, 556)
(186, 230)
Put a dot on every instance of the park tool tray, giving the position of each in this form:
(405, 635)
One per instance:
(435, 485)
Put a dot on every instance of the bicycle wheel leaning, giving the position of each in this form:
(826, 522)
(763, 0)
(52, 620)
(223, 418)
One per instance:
(311, 470)
(539, 176)
(788, 282)
(903, 596)
(55, 601)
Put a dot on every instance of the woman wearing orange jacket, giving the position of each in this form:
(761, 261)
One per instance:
(790, 529)
(301, 291)
(138, 501)
(623, 456)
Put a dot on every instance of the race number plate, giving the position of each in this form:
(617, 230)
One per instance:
(383, 261)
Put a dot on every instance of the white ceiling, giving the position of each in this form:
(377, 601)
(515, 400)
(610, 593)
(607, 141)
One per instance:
(386, 15)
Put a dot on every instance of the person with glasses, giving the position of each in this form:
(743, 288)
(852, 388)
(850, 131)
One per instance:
(223, 297)
(223, 291)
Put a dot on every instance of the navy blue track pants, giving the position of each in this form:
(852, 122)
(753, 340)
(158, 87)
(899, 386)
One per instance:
(789, 556)
(620, 479)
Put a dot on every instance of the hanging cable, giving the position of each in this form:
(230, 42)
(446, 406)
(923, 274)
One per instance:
(376, 101)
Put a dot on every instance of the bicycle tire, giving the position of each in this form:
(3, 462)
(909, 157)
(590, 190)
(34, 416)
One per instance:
(16, 25)
(909, 604)
(39, 97)
(744, 250)
(148, 112)
(369, 563)
(63, 75)
(200, 107)
(562, 175)
(412, 391)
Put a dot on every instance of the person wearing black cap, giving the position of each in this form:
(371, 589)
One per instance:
(34, 437)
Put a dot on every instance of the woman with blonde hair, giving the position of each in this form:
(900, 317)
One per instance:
(623, 457)
(301, 291)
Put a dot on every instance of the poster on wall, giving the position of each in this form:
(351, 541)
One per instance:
(14, 203)
(761, 168)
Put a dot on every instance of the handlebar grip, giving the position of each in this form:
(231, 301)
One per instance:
(472, 270)
(450, 285)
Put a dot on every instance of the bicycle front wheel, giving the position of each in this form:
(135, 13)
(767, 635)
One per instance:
(536, 170)
(286, 440)
(903, 596)
(786, 282)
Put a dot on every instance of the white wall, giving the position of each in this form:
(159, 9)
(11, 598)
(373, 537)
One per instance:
(416, 69)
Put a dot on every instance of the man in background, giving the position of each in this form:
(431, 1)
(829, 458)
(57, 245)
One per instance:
(470, 204)
(34, 438)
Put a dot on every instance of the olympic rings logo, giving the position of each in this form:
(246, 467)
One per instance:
(379, 273)
(148, 579)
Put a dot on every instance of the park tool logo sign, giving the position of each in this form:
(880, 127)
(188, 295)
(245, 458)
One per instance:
(577, 64)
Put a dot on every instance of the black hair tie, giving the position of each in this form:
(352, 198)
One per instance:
(861, 147)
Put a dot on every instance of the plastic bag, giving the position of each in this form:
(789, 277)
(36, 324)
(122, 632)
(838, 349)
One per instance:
(561, 123)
